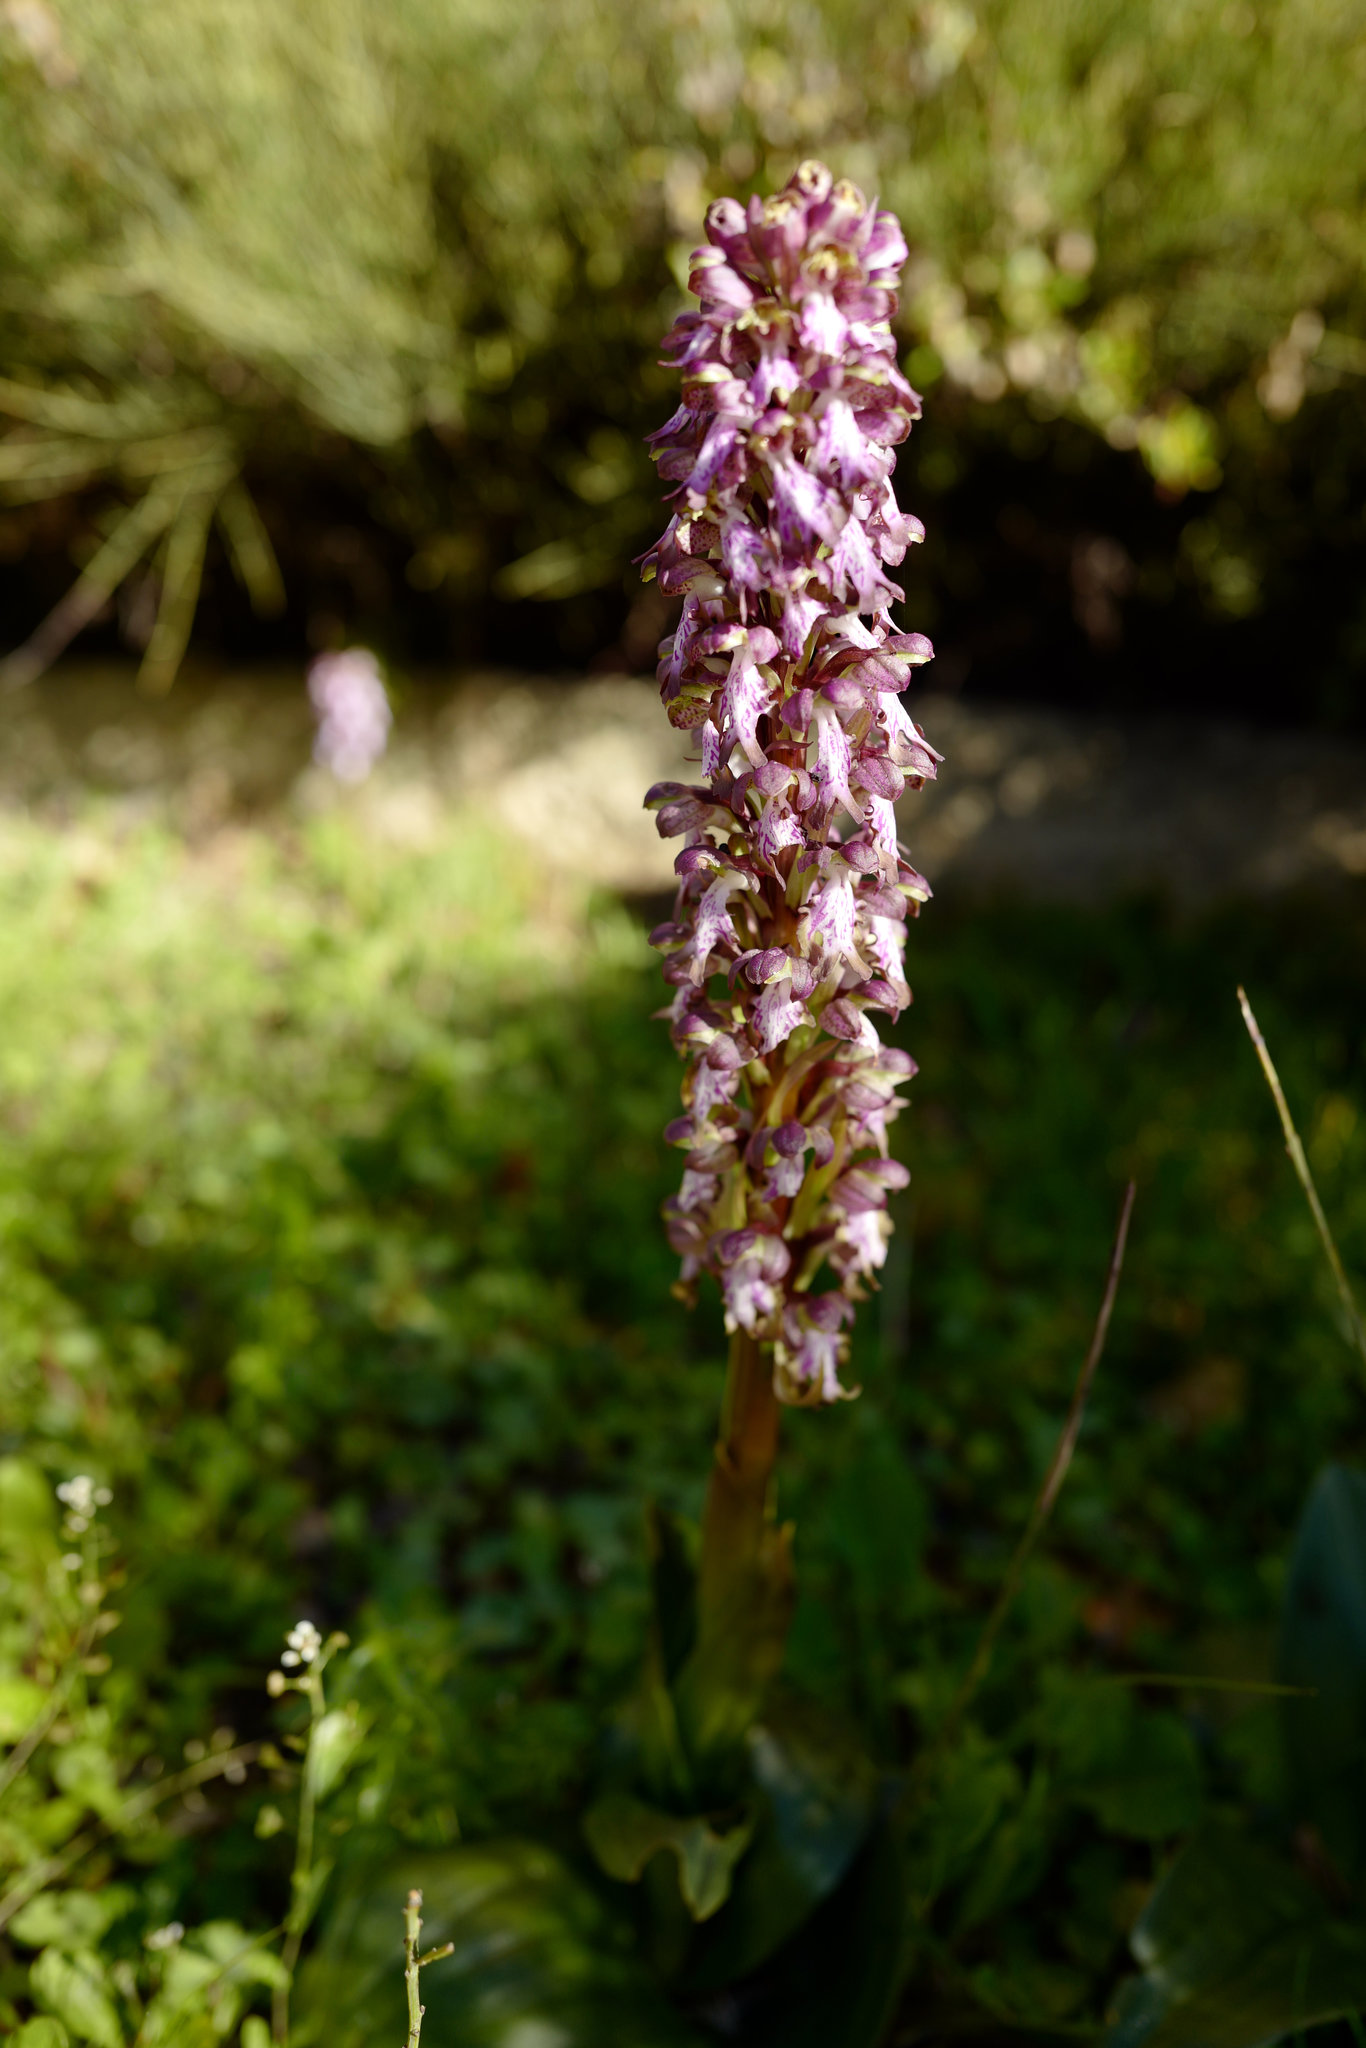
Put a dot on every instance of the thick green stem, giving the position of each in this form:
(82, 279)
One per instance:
(744, 1586)
(736, 1521)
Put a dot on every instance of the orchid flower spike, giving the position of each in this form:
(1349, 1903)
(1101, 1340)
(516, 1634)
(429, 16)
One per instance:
(788, 935)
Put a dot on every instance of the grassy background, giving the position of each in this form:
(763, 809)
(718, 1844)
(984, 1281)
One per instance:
(328, 1237)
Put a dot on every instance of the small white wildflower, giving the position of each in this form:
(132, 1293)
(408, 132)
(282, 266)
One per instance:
(79, 1494)
(275, 1684)
(304, 1642)
(71, 1562)
(165, 1937)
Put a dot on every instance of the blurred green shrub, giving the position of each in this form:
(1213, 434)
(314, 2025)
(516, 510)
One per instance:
(420, 255)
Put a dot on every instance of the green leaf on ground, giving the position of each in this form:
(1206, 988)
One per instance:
(44, 2032)
(834, 1983)
(75, 1991)
(21, 1702)
(815, 1803)
(1323, 1648)
(1238, 1949)
(71, 1920)
(1135, 1767)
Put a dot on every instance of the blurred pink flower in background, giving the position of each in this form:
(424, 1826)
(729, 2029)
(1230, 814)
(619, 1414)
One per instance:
(352, 706)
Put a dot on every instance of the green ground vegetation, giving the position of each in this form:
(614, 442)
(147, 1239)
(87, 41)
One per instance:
(329, 1244)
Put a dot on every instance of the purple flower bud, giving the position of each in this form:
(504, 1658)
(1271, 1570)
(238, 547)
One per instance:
(725, 1055)
(882, 902)
(886, 995)
(798, 709)
(842, 1020)
(756, 1151)
(858, 854)
(876, 773)
(767, 966)
(844, 693)
(786, 663)
(822, 1145)
(773, 778)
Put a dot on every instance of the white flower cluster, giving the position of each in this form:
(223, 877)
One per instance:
(165, 1937)
(304, 1643)
(81, 1498)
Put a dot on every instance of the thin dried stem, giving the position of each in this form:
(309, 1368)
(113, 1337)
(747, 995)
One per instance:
(1306, 1178)
(1049, 1491)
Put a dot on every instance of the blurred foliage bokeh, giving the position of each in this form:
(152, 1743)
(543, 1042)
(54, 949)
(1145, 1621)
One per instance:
(329, 1243)
(375, 289)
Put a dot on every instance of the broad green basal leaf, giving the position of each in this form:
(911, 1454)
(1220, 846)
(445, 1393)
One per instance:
(815, 1800)
(1238, 1949)
(1323, 1648)
(834, 1984)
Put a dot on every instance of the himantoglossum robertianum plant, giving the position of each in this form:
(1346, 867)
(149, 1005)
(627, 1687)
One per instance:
(788, 937)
